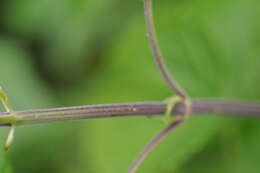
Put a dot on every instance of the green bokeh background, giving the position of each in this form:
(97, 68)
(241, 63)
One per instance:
(64, 52)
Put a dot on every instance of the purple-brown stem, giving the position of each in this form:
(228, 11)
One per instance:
(148, 109)
(156, 50)
(151, 145)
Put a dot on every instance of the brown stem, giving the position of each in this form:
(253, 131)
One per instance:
(156, 50)
(198, 107)
(151, 145)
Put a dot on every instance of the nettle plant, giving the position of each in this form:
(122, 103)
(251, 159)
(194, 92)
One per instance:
(174, 110)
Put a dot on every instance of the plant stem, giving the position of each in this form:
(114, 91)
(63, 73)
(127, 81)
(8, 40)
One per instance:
(198, 107)
(151, 145)
(157, 52)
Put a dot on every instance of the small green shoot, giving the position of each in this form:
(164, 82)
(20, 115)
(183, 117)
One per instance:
(8, 108)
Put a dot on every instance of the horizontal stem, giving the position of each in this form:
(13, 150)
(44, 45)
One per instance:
(198, 107)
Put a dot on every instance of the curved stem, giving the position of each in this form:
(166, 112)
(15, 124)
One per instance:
(156, 50)
(149, 148)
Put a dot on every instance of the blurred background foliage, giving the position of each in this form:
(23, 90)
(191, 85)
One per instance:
(63, 52)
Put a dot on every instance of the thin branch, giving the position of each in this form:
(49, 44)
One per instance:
(156, 50)
(148, 109)
(151, 145)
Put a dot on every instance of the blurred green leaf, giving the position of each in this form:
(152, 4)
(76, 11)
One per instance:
(26, 91)
(5, 166)
(212, 48)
